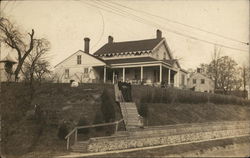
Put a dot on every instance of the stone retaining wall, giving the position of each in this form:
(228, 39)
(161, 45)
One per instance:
(167, 135)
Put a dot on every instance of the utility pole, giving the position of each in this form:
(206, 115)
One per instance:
(248, 97)
(244, 81)
(0, 88)
(0, 49)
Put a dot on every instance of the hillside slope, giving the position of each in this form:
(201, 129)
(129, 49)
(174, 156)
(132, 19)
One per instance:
(163, 106)
(25, 131)
(165, 114)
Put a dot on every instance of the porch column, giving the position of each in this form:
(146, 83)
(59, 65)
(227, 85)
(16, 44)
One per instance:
(177, 78)
(169, 71)
(113, 77)
(123, 74)
(104, 74)
(141, 73)
(160, 73)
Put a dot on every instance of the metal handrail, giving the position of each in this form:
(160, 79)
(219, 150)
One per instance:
(75, 130)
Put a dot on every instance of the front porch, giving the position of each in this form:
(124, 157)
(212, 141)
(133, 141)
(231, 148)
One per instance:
(155, 75)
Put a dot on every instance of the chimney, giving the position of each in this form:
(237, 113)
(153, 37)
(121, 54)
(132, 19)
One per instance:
(158, 34)
(198, 70)
(110, 39)
(86, 45)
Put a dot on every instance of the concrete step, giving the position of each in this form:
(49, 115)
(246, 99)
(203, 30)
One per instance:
(132, 119)
(130, 110)
(130, 114)
(121, 133)
(129, 106)
(129, 122)
(133, 123)
(80, 146)
(123, 107)
(133, 115)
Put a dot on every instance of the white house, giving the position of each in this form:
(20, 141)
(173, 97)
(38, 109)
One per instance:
(81, 66)
(198, 81)
(139, 62)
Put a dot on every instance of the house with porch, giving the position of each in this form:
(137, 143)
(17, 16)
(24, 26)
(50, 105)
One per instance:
(148, 62)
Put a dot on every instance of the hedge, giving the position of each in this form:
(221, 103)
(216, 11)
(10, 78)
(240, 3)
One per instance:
(148, 94)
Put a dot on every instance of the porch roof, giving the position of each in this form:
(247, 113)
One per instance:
(137, 62)
(130, 60)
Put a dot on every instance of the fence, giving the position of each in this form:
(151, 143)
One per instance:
(75, 130)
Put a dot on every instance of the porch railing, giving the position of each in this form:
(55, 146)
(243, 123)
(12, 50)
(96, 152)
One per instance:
(75, 130)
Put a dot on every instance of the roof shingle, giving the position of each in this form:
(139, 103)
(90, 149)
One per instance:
(128, 46)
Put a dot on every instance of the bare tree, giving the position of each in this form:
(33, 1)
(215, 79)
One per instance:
(13, 38)
(245, 79)
(213, 68)
(224, 72)
(42, 69)
(36, 64)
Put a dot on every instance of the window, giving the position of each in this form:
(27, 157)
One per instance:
(66, 73)
(86, 70)
(79, 59)
(202, 81)
(194, 81)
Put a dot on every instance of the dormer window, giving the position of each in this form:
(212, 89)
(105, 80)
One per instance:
(79, 59)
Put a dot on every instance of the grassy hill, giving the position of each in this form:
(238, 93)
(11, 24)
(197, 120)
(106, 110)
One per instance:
(29, 133)
(161, 106)
(27, 129)
(166, 114)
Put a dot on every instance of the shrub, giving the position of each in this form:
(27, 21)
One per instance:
(107, 107)
(62, 131)
(143, 110)
(147, 94)
(83, 122)
(98, 119)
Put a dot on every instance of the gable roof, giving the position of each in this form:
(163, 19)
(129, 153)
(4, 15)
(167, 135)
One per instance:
(128, 46)
(194, 74)
(172, 62)
(81, 52)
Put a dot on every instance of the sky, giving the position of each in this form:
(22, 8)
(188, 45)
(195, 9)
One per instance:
(66, 23)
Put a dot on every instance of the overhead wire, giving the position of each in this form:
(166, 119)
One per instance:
(177, 22)
(103, 29)
(141, 20)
